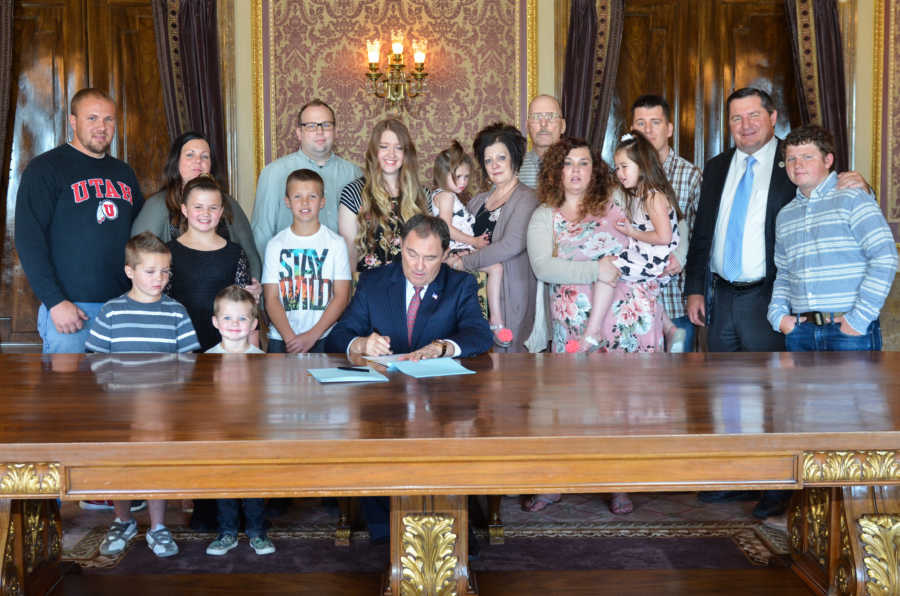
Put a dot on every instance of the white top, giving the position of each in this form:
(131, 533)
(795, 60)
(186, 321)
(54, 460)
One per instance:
(218, 349)
(753, 262)
(462, 220)
(305, 269)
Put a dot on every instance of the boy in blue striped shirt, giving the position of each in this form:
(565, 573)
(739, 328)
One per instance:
(834, 252)
(142, 320)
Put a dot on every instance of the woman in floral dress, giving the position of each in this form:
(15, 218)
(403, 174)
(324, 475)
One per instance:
(572, 229)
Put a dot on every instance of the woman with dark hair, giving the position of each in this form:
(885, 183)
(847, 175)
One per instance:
(189, 157)
(503, 213)
(373, 208)
(572, 240)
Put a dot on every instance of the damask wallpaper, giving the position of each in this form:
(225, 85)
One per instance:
(316, 48)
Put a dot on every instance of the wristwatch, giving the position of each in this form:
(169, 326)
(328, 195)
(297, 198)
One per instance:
(443, 345)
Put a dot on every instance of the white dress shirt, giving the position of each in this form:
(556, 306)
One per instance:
(753, 251)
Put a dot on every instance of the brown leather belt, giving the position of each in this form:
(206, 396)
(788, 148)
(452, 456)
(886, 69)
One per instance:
(819, 318)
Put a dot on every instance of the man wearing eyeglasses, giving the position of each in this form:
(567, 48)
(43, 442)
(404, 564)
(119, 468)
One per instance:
(545, 126)
(315, 131)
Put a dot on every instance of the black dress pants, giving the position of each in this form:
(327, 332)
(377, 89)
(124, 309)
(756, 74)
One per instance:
(738, 320)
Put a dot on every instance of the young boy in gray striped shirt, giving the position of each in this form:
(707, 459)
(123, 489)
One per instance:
(834, 253)
(142, 320)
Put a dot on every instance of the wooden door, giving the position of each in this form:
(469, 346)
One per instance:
(62, 46)
(124, 64)
(695, 53)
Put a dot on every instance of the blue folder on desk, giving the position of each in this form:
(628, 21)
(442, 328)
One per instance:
(336, 375)
(434, 367)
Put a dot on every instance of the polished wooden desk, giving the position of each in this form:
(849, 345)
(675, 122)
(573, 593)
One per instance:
(157, 426)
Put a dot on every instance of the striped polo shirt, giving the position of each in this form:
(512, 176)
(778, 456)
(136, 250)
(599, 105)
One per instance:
(125, 325)
(834, 252)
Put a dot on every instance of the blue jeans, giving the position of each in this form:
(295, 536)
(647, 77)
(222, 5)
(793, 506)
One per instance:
(229, 516)
(65, 343)
(809, 337)
(689, 331)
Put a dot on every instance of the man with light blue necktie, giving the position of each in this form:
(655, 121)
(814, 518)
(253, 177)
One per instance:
(731, 261)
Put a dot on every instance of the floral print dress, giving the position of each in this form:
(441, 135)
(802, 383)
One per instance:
(634, 321)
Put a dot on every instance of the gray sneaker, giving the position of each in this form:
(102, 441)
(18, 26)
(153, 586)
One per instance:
(262, 545)
(161, 543)
(117, 537)
(222, 544)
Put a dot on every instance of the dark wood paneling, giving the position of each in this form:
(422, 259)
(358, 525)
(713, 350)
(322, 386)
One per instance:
(122, 47)
(48, 67)
(695, 53)
(61, 47)
(649, 61)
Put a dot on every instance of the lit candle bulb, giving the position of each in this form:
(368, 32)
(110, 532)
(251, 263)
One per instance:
(373, 49)
(419, 47)
(397, 42)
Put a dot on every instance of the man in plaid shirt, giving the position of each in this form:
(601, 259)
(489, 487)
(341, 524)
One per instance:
(651, 115)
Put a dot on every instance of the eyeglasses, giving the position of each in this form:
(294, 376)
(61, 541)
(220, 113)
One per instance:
(312, 126)
(537, 117)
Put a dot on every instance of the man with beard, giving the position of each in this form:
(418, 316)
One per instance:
(74, 209)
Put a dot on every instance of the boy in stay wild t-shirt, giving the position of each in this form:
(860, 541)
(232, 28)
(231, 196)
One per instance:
(306, 272)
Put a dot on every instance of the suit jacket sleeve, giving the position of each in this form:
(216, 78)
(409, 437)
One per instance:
(355, 322)
(473, 334)
(705, 225)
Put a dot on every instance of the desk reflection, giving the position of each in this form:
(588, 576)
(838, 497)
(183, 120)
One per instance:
(151, 381)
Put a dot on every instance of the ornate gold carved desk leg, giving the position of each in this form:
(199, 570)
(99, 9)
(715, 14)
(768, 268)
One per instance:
(873, 533)
(30, 546)
(811, 519)
(30, 528)
(846, 541)
(429, 547)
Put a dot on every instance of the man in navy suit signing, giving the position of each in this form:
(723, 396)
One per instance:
(417, 306)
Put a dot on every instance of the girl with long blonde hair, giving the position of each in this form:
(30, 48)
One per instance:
(374, 207)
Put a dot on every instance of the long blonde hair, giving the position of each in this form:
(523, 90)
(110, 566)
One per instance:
(375, 209)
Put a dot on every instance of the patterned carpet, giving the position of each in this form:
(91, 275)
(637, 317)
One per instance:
(666, 531)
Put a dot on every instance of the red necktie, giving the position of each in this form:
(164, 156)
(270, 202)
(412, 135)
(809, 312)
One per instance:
(414, 303)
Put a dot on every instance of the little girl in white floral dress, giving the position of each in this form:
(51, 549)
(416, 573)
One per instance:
(653, 230)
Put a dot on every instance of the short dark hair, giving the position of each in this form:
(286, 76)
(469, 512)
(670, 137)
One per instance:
(143, 243)
(764, 97)
(234, 293)
(649, 100)
(304, 175)
(426, 225)
(811, 133)
(500, 132)
(85, 93)
(314, 103)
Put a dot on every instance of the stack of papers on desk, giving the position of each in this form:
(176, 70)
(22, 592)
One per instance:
(434, 367)
(388, 361)
(337, 375)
